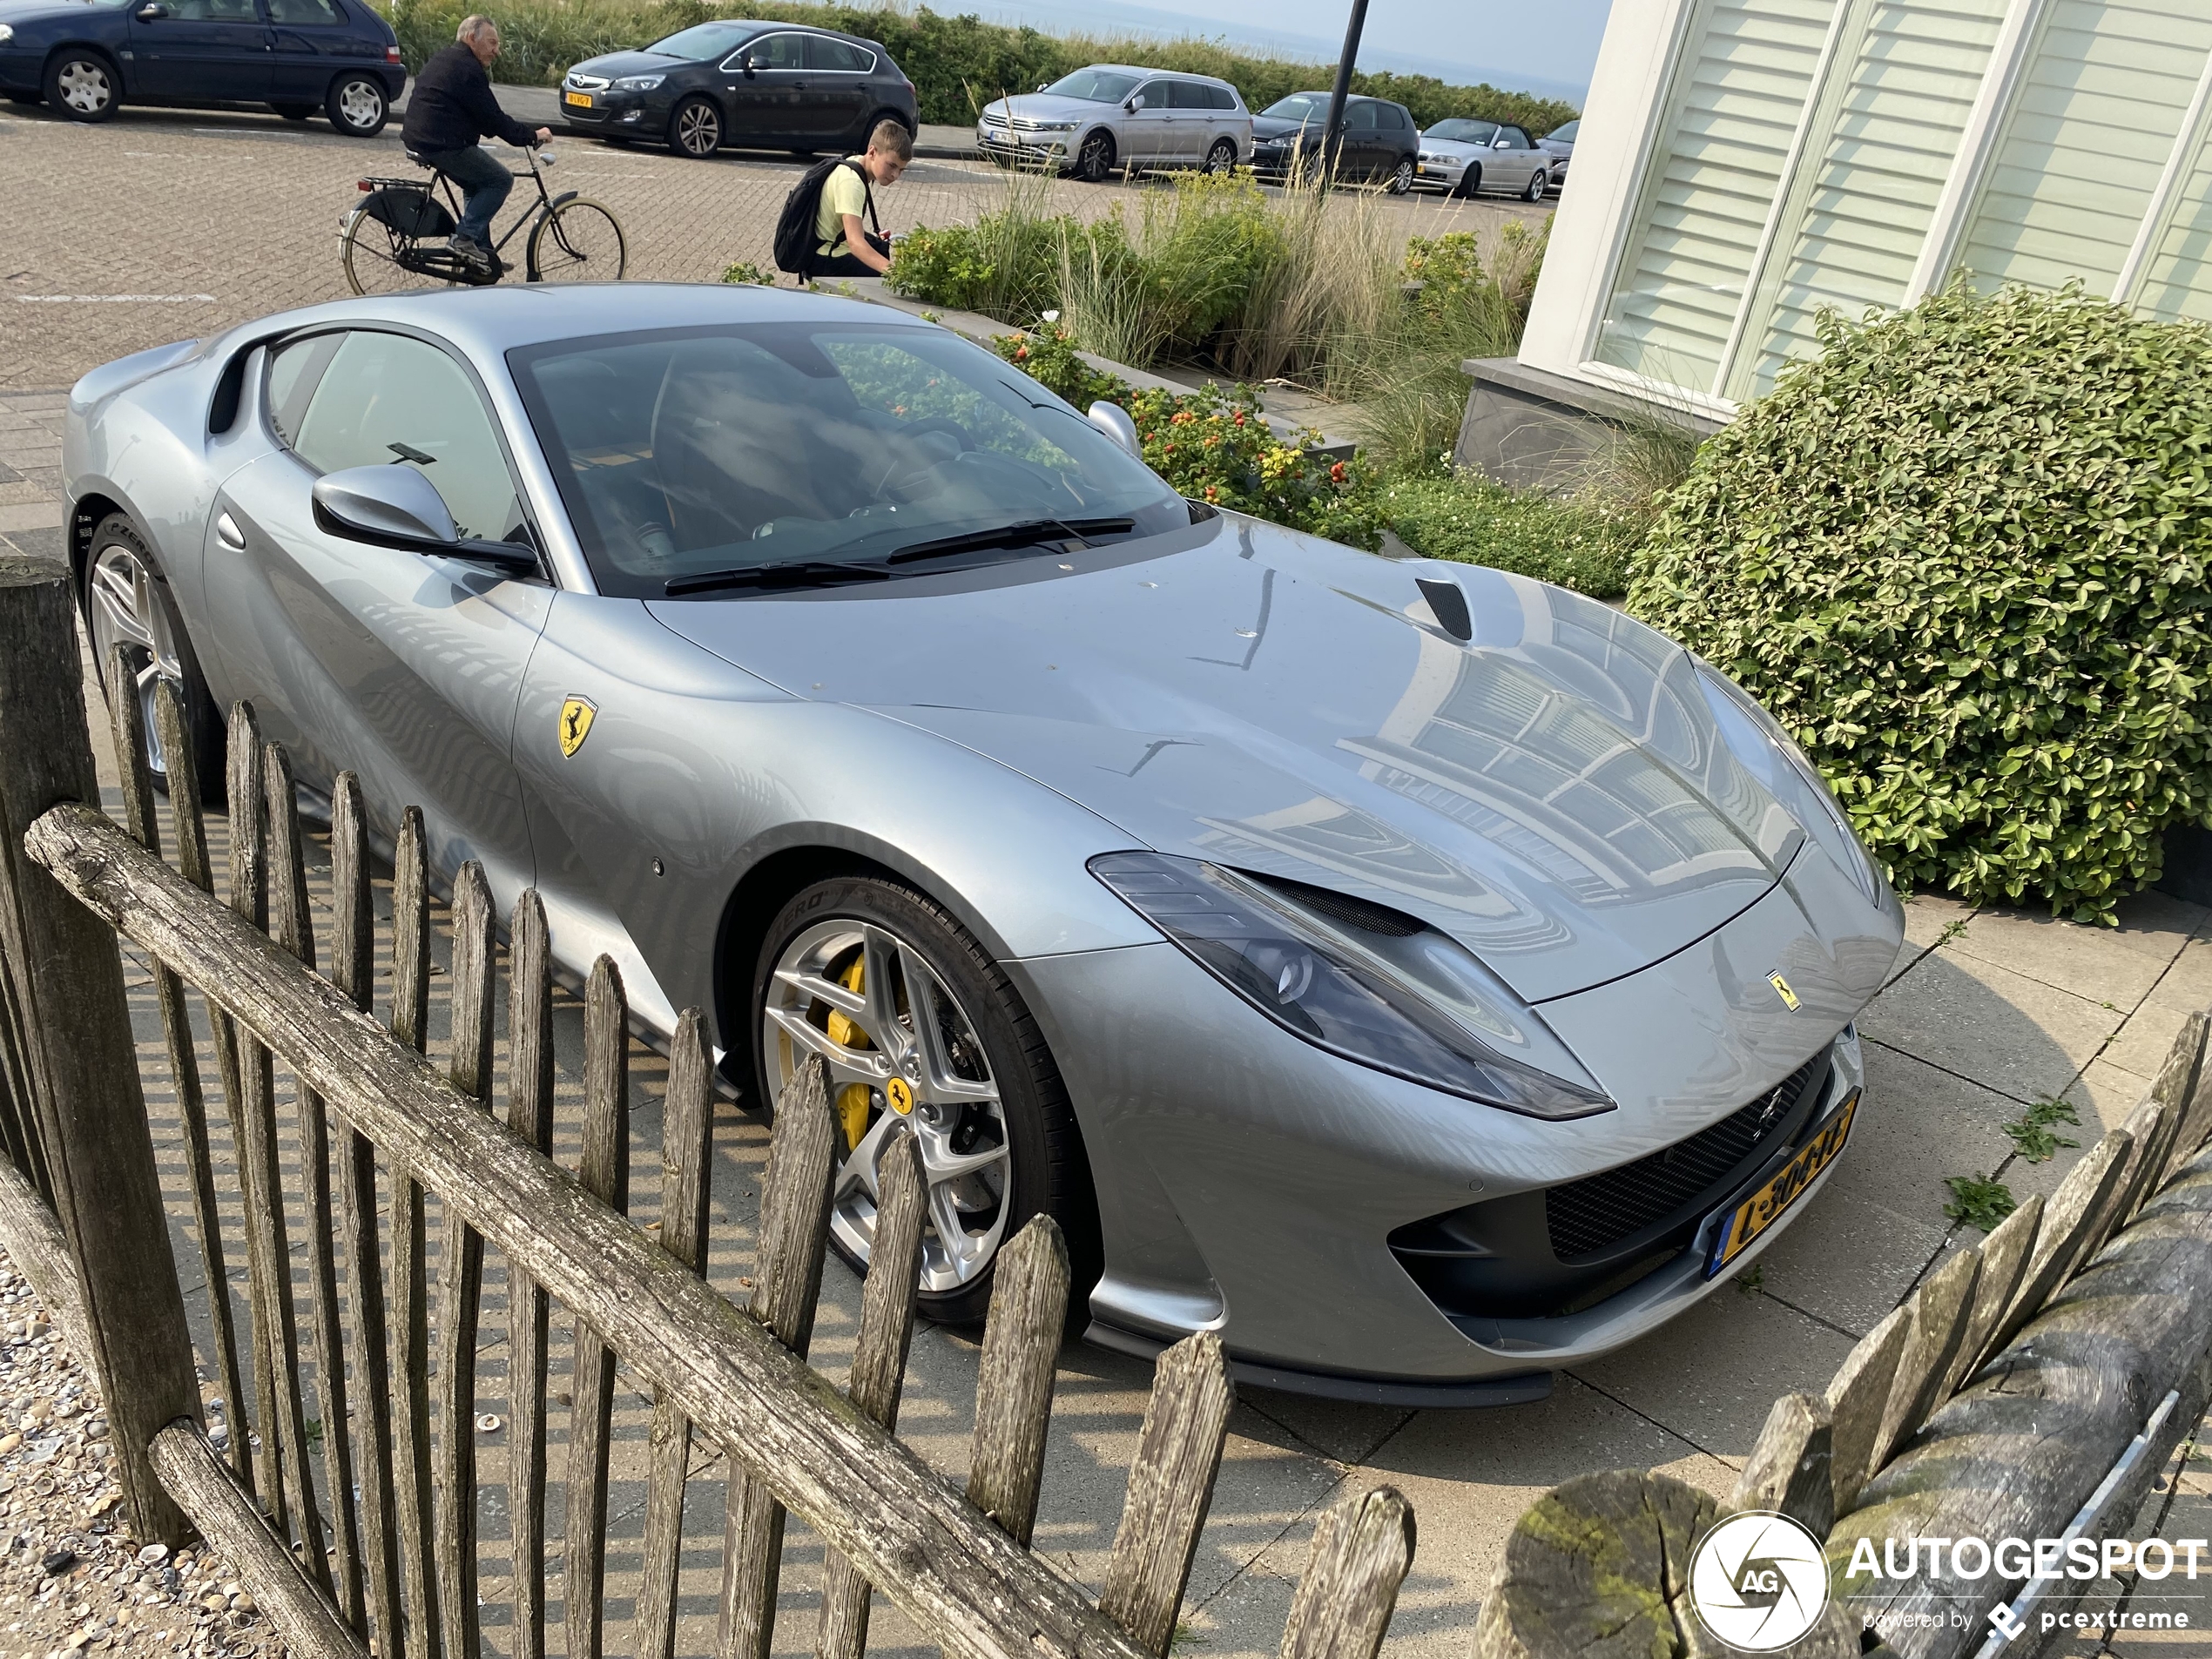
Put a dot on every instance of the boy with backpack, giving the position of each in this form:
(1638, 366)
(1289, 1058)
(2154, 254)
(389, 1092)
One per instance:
(829, 241)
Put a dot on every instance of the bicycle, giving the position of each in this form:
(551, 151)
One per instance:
(395, 237)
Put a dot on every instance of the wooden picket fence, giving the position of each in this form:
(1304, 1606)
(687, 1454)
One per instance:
(394, 1368)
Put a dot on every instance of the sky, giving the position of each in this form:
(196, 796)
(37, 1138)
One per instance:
(1546, 47)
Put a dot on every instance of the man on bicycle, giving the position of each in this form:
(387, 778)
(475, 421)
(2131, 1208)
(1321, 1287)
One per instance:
(450, 108)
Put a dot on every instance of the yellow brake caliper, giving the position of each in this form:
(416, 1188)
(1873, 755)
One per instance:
(853, 1099)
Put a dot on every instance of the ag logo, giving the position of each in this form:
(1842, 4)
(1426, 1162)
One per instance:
(576, 715)
(900, 1095)
(1758, 1581)
(1782, 989)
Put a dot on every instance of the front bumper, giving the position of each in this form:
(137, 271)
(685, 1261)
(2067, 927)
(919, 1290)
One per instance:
(1016, 144)
(613, 112)
(19, 70)
(1438, 173)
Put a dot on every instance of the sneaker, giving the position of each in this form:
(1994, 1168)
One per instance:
(468, 251)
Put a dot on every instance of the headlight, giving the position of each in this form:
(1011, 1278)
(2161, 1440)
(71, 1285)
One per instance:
(1053, 126)
(1361, 981)
(1756, 739)
(638, 83)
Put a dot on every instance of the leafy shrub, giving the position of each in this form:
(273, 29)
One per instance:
(1961, 555)
(958, 64)
(745, 271)
(1576, 545)
(1050, 358)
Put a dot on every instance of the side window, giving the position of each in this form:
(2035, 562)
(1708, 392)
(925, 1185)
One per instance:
(1188, 95)
(306, 14)
(835, 55)
(214, 12)
(1223, 98)
(1515, 139)
(1359, 116)
(1395, 118)
(778, 51)
(1155, 95)
(386, 399)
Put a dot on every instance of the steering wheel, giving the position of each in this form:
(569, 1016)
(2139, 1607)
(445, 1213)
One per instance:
(940, 423)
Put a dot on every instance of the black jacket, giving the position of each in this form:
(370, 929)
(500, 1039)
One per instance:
(451, 106)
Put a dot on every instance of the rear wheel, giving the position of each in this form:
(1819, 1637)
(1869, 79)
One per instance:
(1401, 177)
(924, 1036)
(82, 85)
(379, 261)
(1222, 156)
(127, 604)
(357, 106)
(695, 128)
(578, 241)
(1095, 158)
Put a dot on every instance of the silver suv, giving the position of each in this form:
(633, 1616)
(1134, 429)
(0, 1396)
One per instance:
(1111, 116)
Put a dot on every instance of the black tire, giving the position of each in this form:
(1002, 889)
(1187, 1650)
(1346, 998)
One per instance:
(1401, 178)
(358, 105)
(1539, 182)
(1095, 156)
(202, 718)
(1222, 156)
(578, 241)
(294, 111)
(1049, 1172)
(695, 128)
(1470, 182)
(82, 85)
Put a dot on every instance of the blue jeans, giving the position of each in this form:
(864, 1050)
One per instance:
(484, 182)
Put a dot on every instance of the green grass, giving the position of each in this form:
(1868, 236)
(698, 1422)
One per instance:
(1468, 518)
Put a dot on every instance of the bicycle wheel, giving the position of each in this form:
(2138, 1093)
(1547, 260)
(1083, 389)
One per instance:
(373, 252)
(578, 241)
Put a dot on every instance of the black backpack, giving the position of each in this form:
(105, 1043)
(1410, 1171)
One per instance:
(796, 238)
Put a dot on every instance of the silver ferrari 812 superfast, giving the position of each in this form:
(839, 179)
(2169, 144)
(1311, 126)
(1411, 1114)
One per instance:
(1423, 976)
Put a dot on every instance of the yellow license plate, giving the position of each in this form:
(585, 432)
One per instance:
(1766, 1206)
(1421, 169)
(581, 100)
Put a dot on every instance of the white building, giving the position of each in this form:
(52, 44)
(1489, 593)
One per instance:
(1743, 163)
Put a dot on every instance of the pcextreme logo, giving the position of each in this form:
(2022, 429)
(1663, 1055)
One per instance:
(1758, 1582)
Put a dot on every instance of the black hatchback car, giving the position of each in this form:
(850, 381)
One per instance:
(748, 85)
(297, 57)
(1380, 142)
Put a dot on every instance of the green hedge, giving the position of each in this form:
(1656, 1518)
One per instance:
(1468, 518)
(957, 64)
(1961, 555)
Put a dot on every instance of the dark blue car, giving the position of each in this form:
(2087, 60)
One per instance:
(295, 56)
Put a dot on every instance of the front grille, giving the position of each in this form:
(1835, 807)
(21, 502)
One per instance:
(587, 82)
(1597, 1212)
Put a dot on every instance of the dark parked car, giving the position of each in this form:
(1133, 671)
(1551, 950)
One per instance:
(1559, 145)
(1381, 144)
(754, 85)
(295, 56)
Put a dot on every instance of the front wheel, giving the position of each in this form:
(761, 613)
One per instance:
(82, 85)
(695, 129)
(1470, 182)
(378, 259)
(578, 241)
(357, 106)
(1401, 179)
(127, 606)
(1222, 156)
(1096, 157)
(924, 1036)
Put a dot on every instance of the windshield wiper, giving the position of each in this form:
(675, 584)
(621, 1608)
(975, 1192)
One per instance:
(789, 573)
(1026, 533)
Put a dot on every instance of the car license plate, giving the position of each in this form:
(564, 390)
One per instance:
(1766, 1206)
(581, 100)
(1419, 169)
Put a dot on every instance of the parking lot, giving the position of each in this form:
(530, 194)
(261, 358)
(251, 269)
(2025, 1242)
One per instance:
(164, 225)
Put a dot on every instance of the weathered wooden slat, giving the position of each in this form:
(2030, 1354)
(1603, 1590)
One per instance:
(1170, 1485)
(352, 970)
(461, 1303)
(2067, 1218)
(291, 928)
(24, 1146)
(176, 1025)
(1362, 1548)
(787, 1281)
(686, 1149)
(2176, 1086)
(244, 1065)
(1940, 1308)
(1858, 1398)
(878, 1368)
(410, 1297)
(978, 1592)
(1788, 1471)
(1013, 1384)
(223, 1510)
(31, 1234)
(2195, 1122)
(2151, 1127)
(603, 1173)
(529, 1118)
(2004, 1259)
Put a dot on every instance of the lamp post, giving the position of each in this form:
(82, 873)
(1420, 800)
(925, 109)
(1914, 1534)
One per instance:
(1332, 134)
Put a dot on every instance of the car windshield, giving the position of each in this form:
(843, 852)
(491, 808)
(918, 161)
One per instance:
(1566, 134)
(1095, 85)
(703, 41)
(1464, 132)
(684, 452)
(1299, 107)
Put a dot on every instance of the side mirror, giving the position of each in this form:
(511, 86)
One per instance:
(154, 11)
(1135, 103)
(1042, 84)
(748, 63)
(395, 506)
(1501, 144)
(1114, 421)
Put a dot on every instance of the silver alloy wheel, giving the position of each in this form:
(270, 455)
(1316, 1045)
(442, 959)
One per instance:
(1402, 180)
(698, 129)
(84, 86)
(125, 613)
(1222, 156)
(361, 103)
(889, 1028)
(1095, 158)
(1539, 182)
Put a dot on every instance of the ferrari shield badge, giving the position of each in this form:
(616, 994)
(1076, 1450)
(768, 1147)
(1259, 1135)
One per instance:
(1781, 985)
(576, 714)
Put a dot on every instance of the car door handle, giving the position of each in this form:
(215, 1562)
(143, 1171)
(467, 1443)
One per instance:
(227, 532)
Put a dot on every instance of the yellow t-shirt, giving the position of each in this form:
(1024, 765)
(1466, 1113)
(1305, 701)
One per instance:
(843, 193)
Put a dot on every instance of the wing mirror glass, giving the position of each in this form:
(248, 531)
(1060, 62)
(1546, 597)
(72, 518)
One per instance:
(748, 63)
(397, 507)
(1501, 144)
(152, 12)
(1114, 421)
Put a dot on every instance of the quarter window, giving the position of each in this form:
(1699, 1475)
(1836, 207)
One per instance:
(384, 400)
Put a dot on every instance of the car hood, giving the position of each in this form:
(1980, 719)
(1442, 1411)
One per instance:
(1462, 148)
(637, 63)
(1556, 794)
(1265, 127)
(1047, 106)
